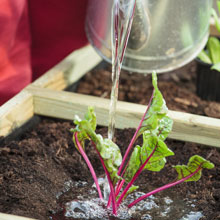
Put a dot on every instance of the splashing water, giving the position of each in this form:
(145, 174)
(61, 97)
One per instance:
(153, 208)
(88, 206)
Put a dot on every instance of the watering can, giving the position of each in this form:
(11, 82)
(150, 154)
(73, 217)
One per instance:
(165, 34)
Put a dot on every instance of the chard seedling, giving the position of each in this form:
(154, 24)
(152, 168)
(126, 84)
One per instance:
(154, 127)
(211, 54)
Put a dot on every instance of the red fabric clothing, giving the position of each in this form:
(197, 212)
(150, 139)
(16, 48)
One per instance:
(56, 29)
(15, 69)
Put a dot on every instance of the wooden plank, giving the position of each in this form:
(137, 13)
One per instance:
(69, 70)
(213, 30)
(13, 217)
(16, 112)
(187, 127)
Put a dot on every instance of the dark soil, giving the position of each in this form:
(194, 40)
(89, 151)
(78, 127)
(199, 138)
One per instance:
(35, 166)
(178, 88)
(33, 171)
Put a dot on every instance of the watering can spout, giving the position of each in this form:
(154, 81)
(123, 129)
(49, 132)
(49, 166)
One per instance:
(140, 31)
(165, 34)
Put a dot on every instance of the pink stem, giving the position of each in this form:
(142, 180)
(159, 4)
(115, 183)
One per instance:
(119, 187)
(135, 177)
(163, 188)
(134, 137)
(114, 207)
(109, 200)
(89, 165)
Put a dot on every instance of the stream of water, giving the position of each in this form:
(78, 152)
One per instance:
(122, 17)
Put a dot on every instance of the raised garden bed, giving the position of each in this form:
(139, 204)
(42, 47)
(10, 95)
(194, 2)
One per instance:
(44, 97)
(44, 163)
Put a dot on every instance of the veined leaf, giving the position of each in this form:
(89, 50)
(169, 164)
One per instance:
(155, 129)
(134, 163)
(216, 67)
(89, 122)
(213, 47)
(108, 150)
(195, 162)
(111, 155)
(156, 111)
(164, 127)
(131, 190)
(162, 130)
(158, 159)
(91, 117)
(203, 56)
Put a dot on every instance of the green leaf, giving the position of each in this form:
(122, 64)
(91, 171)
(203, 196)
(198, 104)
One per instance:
(89, 123)
(111, 155)
(194, 163)
(203, 56)
(91, 117)
(131, 190)
(155, 128)
(158, 159)
(213, 47)
(216, 67)
(165, 126)
(108, 150)
(214, 14)
(156, 111)
(218, 5)
(140, 155)
(134, 164)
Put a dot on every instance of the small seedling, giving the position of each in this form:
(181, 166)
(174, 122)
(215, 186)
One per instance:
(211, 54)
(122, 172)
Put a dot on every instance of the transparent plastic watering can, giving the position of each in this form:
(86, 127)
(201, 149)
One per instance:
(165, 34)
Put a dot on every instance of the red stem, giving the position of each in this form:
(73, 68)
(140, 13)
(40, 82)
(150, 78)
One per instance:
(163, 188)
(135, 177)
(114, 207)
(89, 165)
(119, 187)
(134, 137)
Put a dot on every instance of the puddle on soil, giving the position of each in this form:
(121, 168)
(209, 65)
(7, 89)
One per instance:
(158, 207)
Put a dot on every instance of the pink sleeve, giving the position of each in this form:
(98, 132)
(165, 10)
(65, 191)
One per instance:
(56, 29)
(15, 69)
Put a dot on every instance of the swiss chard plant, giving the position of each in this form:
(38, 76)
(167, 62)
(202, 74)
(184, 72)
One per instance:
(121, 173)
(211, 54)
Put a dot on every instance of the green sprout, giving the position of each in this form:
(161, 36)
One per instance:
(122, 172)
(211, 54)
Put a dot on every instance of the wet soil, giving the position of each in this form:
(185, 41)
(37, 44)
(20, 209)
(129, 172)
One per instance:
(35, 166)
(34, 169)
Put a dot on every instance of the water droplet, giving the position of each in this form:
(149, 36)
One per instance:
(192, 216)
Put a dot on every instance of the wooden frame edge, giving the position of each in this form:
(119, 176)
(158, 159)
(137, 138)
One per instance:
(13, 217)
(10, 112)
(187, 127)
(70, 69)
